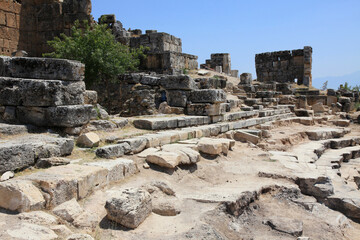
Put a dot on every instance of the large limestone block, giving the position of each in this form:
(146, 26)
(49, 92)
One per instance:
(156, 123)
(41, 68)
(69, 210)
(165, 159)
(69, 116)
(40, 93)
(20, 196)
(23, 152)
(176, 98)
(129, 207)
(88, 140)
(206, 109)
(246, 137)
(209, 146)
(113, 151)
(67, 182)
(207, 96)
(137, 144)
(118, 169)
(178, 82)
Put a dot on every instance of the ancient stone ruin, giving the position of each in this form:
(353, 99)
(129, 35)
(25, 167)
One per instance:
(285, 66)
(171, 154)
(28, 25)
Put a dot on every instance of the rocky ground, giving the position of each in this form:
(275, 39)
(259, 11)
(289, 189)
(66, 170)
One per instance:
(299, 180)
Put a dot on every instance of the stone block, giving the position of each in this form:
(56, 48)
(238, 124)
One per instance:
(41, 68)
(129, 207)
(68, 116)
(207, 96)
(40, 93)
(137, 144)
(246, 137)
(176, 98)
(113, 151)
(246, 78)
(90, 97)
(178, 82)
(118, 169)
(88, 140)
(20, 196)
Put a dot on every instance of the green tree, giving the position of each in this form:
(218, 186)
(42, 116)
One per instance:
(96, 47)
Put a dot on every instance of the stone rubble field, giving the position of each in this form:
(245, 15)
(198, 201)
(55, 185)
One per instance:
(235, 179)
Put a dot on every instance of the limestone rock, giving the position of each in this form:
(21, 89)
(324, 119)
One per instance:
(79, 236)
(246, 137)
(118, 169)
(68, 116)
(164, 159)
(88, 140)
(51, 162)
(319, 187)
(113, 151)
(166, 206)
(68, 210)
(129, 207)
(90, 97)
(38, 217)
(208, 146)
(6, 176)
(318, 108)
(21, 196)
(177, 82)
(30, 231)
(137, 144)
(61, 230)
(86, 220)
(147, 152)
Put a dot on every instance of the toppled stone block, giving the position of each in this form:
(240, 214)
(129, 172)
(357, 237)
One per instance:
(129, 207)
(68, 210)
(207, 96)
(88, 140)
(41, 68)
(20, 196)
(118, 169)
(40, 93)
(178, 82)
(246, 137)
(215, 146)
(165, 159)
(113, 151)
(137, 144)
(318, 108)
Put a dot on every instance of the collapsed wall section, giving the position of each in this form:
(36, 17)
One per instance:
(285, 66)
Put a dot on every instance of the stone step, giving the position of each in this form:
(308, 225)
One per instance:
(24, 151)
(334, 157)
(171, 136)
(61, 184)
(326, 133)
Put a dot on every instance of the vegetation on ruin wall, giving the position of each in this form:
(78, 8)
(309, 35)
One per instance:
(96, 47)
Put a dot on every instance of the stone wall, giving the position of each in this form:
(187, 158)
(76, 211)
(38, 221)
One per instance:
(169, 62)
(43, 92)
(141, 94)
(222, 60)
(285, 66)
(157, 42)
(29, 24)
(9, 26)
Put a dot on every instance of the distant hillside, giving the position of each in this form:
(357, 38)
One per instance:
(334, 82)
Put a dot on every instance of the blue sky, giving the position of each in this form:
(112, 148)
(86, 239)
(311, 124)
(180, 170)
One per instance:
(244, 28)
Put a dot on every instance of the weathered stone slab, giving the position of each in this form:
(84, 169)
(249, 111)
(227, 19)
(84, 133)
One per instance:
(156, 123)
(20, 196)
(245, 136)
(67, 182)
(176, 98)
(40, 93)
(164, 159)
(23, 152)
(207, 96)
(179, 82)
(113, 151)
(88, 140)
(137, 144)
(41, 68)
(69, 116)
(206, 109)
